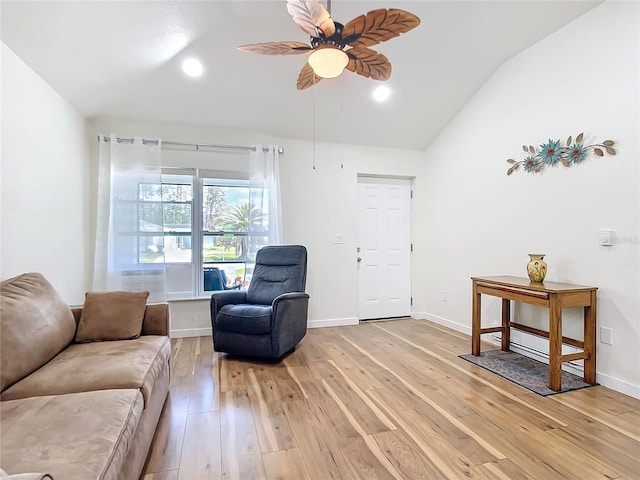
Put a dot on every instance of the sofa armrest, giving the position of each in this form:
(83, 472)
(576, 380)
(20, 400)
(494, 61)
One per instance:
(156, 319)
(77, 313)
(25, 476)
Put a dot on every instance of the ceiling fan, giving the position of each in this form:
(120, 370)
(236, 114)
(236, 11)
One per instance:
(334, 46)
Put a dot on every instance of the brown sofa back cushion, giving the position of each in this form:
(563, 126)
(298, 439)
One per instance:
(35, 325)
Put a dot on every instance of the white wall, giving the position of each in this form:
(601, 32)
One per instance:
(316, 204)
(44, 174)
(320, 203)
(478, 221)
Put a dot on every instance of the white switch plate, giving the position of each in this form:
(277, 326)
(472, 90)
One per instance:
(338, 238)
(606, 238)
(606, 335)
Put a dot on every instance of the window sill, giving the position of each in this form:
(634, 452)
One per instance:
(187, 298)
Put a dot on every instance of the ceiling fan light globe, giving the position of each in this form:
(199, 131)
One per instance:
(328, 62)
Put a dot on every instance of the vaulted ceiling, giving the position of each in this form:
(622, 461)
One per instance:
(122, 59)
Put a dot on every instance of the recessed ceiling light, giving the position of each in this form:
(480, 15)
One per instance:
(381, 93)
(192, 67)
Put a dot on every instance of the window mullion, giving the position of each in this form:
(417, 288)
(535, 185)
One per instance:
(197, 236)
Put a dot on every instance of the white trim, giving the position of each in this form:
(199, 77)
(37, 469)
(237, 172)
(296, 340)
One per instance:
(191, 332)
(618, 385)
(206, 331)
(332, 322)
(442, 321)
(537, 348)
(604, 380)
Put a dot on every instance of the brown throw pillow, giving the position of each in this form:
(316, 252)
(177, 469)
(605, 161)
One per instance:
(111, 316)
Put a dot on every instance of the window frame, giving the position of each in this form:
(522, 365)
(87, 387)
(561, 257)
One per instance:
(199, 177)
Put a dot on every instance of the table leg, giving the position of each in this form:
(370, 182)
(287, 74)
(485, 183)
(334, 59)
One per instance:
(506, 329)
(555, 343)
(590, 340)
(475, 321)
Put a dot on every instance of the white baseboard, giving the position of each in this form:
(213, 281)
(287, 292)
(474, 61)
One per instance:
(191, 332)
(332, 322)
(442, 321)
(329, 322)
(618, 385)
(604, 380)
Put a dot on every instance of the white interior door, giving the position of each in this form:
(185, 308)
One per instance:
(384, 239)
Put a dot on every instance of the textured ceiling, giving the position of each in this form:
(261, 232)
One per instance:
(122, 59)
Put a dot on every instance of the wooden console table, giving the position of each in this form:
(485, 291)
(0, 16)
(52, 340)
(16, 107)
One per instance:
(554, 296)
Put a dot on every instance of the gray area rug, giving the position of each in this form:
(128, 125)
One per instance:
(524, 371)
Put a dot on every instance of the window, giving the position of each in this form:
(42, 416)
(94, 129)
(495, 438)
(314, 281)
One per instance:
(232, 226)
(165, 220)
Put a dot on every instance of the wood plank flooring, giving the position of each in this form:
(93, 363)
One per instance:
(381, 400)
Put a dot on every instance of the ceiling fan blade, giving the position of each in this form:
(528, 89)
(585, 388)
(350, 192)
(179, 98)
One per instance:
(307, 77)
(276, 48)
(378, 26)
(312, 17)
(368, 63)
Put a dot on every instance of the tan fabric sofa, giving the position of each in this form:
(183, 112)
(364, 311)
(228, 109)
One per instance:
(75, 411)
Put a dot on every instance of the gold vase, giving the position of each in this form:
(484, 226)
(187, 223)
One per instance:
(536, 268)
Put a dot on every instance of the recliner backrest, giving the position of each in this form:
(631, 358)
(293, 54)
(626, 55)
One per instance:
(279, 269)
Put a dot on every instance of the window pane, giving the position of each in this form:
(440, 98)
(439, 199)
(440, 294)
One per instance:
(149, 192)
(150, 219)
(213, 201)
(232, 276)
(259, 210)
(256, 242)
(151, 249)
(177, 193)
(177, 248)
(226, 248)
(225, 208)
(125, 217)
(177, 217)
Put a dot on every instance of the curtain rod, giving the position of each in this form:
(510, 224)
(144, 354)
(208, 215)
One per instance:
(197, 146)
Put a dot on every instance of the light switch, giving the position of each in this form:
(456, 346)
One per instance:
(606, 238)
(338, 238)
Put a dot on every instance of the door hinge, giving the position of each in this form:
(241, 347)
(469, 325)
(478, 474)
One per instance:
(411, 301)
(410, 193)
(412, 247)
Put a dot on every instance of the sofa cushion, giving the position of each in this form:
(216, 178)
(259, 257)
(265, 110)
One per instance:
(84, 367)
(111, 316)
(244, 318)
(36, 325)
(81, 436)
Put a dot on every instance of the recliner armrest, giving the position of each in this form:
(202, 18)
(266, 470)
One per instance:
(226, 297)
(289, 296)
(290, 307)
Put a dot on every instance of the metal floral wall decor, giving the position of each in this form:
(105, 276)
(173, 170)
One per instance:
(552, 153)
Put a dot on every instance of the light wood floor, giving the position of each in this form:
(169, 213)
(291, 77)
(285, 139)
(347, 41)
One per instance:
(381, 400)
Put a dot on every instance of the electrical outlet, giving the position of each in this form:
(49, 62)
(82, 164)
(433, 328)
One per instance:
(444, 296)
(605, 335)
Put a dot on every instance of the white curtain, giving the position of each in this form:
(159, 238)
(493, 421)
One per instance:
(130, 231)
(265, 225)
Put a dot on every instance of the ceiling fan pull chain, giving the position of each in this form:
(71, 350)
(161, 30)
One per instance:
(341, 123)
(314, 124)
